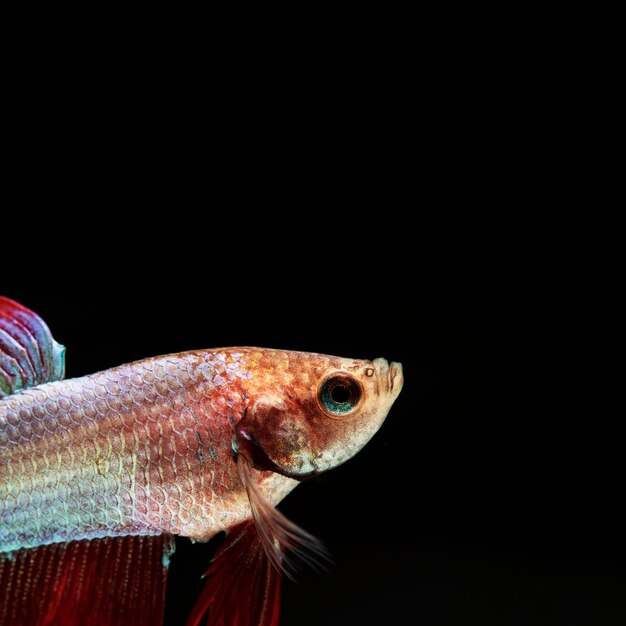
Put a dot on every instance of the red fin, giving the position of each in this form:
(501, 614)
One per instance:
(242, 588)
(29, 355)
(102, 582)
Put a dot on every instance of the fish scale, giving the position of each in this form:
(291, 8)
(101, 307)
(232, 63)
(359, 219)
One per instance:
(140, 449)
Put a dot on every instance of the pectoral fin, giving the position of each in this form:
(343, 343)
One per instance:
(279, 536)
(29, 355)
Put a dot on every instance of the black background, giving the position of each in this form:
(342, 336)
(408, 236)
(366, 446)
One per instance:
(163, 210)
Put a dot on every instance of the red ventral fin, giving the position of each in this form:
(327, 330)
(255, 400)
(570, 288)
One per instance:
(243, 586)
(102, 582)
(29, 355)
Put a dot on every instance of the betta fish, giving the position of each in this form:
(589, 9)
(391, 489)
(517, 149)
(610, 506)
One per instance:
(99, 474)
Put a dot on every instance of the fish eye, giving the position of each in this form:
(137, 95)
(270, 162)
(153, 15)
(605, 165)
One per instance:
(339, 394)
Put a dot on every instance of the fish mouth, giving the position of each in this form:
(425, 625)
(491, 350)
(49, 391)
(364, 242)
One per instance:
(391, 375)
(396, 378)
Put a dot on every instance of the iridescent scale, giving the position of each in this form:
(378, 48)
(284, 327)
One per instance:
(140, 449)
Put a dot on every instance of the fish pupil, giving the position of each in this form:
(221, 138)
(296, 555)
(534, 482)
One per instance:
(340, 394)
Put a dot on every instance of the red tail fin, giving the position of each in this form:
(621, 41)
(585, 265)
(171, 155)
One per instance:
(103, 582)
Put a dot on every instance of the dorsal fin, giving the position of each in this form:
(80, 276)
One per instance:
(29, 355)
(102, 582)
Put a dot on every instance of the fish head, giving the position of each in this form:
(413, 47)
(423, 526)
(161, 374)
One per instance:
(309, 413)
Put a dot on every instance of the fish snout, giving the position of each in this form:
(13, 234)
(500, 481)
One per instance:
(390, 374)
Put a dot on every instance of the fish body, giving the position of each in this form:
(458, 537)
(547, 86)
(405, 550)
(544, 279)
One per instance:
(141, 449)
(186, 444)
